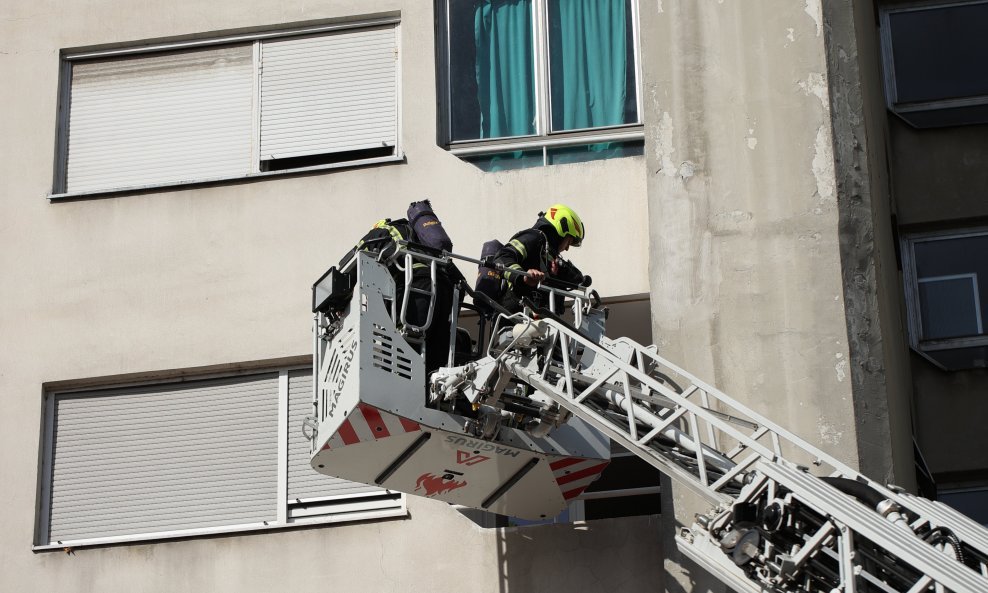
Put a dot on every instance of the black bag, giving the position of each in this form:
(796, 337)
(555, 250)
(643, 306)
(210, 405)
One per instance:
(489, 280)
(427, 228)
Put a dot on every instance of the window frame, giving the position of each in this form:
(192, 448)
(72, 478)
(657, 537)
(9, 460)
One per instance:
(544, 138)
(69, 57)
(911, 281)
(903, 110)
(376, 506)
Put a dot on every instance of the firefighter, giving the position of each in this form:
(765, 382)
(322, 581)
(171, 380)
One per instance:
(536, 250)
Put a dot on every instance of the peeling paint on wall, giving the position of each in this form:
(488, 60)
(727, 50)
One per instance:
(790, 35)
(815, 84)
(841, 368)
(829, 433)
(750, 139)
(664, 147)
(815, 10)
(686, 170)
(823, 165)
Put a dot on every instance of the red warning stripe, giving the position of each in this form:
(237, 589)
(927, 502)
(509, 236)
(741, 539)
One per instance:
(374, 422)
(583, 473)
(380, 425)
(574, 493)
(347, 433)
(409, 425)
(560, 464)
(586, 472)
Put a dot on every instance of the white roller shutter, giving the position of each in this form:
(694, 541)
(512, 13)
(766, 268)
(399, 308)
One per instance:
(165, 458)
(164, 118)
(328, 94)
(307, 489)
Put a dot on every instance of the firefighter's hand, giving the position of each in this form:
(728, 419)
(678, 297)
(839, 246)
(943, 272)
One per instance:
(534, 277)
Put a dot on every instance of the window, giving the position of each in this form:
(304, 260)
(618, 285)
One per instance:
(934, 55)
(228, 108)
(188, 458)
(972, 501)
(628, 487)
(532, 82)
(946, 294)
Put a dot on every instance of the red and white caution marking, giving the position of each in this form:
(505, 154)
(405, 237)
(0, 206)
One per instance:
(367, 424)
(574, 474)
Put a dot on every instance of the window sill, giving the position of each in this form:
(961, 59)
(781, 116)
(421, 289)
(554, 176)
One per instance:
(400, 158)
(952, 343)
(398, 511)
(480, 148)
(955, 354)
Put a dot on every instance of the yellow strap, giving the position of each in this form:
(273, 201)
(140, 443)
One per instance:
(507, 274)
(519, 247)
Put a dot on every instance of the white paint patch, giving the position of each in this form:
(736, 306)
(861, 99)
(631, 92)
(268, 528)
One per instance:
(686, 170)
(815, 10)
(750, 139)
(791, 35)
(734, 217)
(823, 165)
(664, 145)
(829, 433)
(841, 370)
(816, 85)
(658, 4)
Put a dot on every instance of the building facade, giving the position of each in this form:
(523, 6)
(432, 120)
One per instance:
(780, 194)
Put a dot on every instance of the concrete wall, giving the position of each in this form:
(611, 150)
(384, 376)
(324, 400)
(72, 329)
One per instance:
(219, 276)
(747, 286)
(772, 261)
(874, 305)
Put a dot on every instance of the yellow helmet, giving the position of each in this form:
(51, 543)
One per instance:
(566, 222)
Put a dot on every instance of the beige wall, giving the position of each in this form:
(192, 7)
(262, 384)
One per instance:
(220, 275)
(437, 550)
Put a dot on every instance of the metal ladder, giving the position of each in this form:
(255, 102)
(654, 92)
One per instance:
(785, 516)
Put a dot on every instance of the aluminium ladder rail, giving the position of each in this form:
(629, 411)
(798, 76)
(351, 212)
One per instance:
(812, 535)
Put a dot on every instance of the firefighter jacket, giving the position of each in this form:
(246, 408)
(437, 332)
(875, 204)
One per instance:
(528, 249)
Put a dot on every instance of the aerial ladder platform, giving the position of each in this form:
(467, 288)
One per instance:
(521, 424)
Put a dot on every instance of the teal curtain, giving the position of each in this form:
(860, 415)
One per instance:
(588, 61)
(505, 68)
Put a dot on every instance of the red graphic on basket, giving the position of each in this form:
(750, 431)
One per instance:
(466, 458)
(574, 474)
(434, 484)
(367, 423)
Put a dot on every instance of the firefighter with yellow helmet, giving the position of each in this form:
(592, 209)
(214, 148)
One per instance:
(536, 250)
